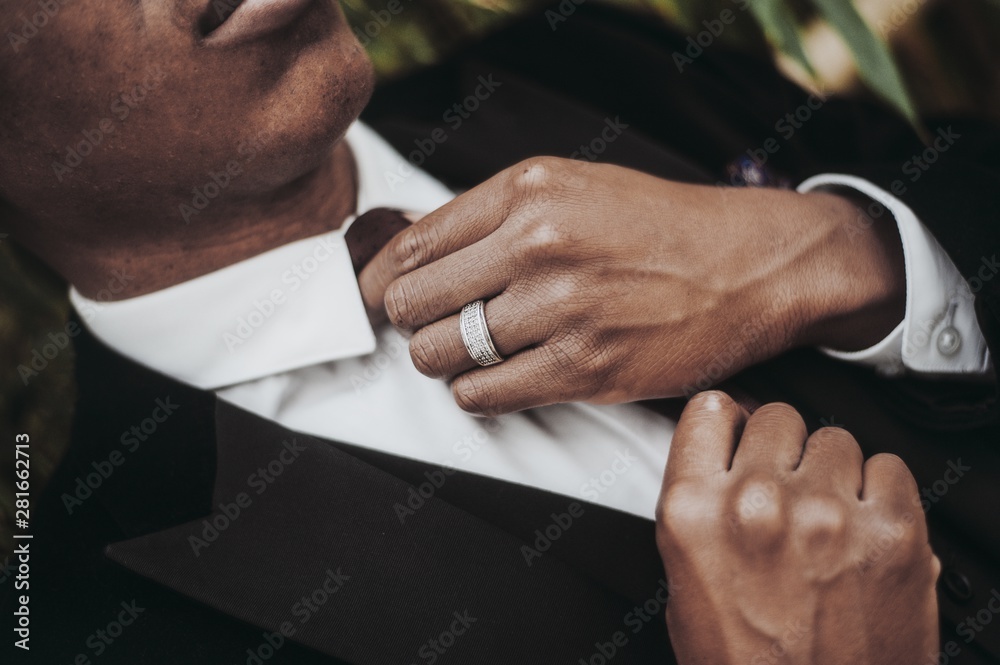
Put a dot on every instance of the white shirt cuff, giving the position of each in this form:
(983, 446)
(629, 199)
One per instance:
(939, 333)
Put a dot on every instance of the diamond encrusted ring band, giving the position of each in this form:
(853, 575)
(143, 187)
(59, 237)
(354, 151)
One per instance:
(476, 335)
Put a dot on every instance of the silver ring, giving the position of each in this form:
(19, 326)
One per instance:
(476, 335)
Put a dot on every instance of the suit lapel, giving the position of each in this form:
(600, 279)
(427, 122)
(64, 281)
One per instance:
(305, 540)
(294, 534)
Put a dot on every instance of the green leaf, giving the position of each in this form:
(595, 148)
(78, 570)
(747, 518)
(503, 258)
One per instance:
(776, 19)
(876, 65)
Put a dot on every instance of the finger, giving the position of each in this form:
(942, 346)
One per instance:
(460, 223)
(549, 374)
(705, 437)
(886, 479)
(772, 441)
(832, 457)
(438, 351)
(445, 286)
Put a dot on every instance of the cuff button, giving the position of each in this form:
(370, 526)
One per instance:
(949, 341)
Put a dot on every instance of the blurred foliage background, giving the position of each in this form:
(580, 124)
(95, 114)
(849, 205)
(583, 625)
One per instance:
(945, 56)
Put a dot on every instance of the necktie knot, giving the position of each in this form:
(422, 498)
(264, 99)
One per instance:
(370, 232)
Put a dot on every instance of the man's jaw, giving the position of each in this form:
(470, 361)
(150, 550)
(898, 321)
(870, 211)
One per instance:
(226, 23)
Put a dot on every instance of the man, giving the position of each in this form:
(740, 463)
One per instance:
(211, 193)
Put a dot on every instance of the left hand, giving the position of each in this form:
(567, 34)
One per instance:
(787, 548)
(608, 285)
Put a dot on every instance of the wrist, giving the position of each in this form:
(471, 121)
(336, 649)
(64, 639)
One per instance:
(856, 294)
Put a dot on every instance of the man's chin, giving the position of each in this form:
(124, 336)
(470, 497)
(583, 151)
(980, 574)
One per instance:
(316, 103)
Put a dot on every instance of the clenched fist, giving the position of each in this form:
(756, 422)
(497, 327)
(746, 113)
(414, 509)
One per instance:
(787, 548)
(604, 284)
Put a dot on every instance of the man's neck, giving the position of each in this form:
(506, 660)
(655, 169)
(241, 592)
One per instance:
(317, 202)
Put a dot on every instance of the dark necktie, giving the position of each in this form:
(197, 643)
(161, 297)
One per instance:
(370, 233)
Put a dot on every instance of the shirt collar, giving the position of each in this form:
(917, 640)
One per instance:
(290, 307)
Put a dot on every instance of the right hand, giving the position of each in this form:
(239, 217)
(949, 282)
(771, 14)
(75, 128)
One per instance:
(787, 548)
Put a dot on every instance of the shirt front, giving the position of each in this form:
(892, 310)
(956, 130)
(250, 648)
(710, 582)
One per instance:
(285, 335)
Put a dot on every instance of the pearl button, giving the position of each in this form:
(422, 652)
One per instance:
(957, 586)
(949, 341)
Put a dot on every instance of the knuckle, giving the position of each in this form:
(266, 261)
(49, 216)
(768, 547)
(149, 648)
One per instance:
(535, 174)
(839, 439)
(893, 472)
(684, 513)
(710, 406)
(711, 399)
(895, 462)
(540, 235)
(901, 523)
(837, 446)
(566, 292)
(893, 542)
(472, 396)
(757, 505)
(820, 521)
(579, 360)
(399, 304)
(778, 417)
(778, 413)
(427, 354)
(936, 567)
(411, 247)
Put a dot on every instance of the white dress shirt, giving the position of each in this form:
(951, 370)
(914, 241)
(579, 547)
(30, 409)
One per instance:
(284, 335)
(939, 334)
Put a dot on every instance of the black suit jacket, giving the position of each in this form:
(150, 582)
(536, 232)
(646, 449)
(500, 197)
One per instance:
(690, 125)
(212, 536)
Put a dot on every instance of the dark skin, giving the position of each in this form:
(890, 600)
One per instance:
(776, 540)
(285, 101)
(277, 107)
(699, 277)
